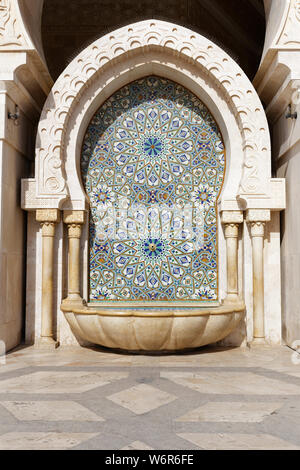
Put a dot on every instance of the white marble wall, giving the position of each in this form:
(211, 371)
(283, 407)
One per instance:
(290, 247)
(15, 148)
(13, 166)
(276, 81)
(25, 82)
(272, 280)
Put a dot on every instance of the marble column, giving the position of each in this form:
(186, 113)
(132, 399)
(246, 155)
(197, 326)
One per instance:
(231, 221)
(257, 220)
(48, 219)
(74, 221)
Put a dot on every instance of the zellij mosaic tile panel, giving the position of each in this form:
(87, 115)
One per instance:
(153, 163)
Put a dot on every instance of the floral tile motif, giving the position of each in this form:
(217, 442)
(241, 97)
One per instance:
(153, 163)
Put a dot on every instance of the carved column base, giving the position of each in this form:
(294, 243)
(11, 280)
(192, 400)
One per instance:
(258, 343)
(74, 299)
(47, 343)
(231, 299)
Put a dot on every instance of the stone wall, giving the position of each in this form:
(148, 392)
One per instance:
(24, 84)
(278, 84)
(13, 166)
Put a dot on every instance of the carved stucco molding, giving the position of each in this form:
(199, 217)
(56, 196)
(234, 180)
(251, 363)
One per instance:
(232, 82)
(11, 34)
(290, 35)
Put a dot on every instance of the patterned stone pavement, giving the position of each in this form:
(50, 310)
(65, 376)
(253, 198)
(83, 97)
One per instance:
(79, 398)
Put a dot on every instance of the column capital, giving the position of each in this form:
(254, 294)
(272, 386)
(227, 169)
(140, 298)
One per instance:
(74, 217)
(257, 229)
(232, 217)
(48, 215)
(48, 229)
(231, 230)
(74, 230)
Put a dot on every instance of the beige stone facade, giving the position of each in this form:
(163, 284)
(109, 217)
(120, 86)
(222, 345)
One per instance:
(45, 210)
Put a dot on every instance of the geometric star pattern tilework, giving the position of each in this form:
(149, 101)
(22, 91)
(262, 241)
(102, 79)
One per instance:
(153, 152)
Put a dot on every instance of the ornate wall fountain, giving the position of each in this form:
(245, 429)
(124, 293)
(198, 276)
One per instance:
(197, 309)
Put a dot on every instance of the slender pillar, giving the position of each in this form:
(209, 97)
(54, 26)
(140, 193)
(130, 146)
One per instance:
(231, 236)
(48, 218)
(74, 221)
(257, 220)
(231, 221)
(257, 235)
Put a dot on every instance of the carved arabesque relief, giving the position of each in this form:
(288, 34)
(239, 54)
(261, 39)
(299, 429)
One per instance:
(213, 61)
(290, 36)
(10, 34)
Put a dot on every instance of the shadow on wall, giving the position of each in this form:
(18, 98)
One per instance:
(69, 27)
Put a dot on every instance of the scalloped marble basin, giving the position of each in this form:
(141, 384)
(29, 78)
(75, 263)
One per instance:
(153, 329)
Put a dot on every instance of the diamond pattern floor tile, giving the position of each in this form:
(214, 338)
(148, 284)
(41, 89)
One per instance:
(232, 441)
(59, 382)
(212, 399)
(243, 412)
(49, 411)
(42, 440)
(137, 445)
(141, 398)
(232, 383)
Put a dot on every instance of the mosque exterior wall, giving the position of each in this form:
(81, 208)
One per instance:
(25, 82)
